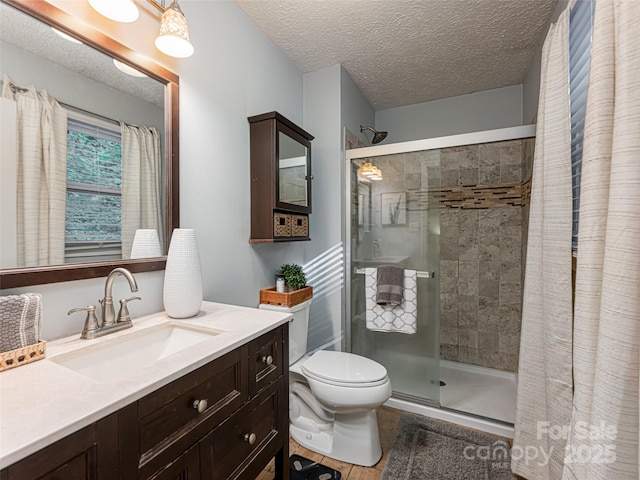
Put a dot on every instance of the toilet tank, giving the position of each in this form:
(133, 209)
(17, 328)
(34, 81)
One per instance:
(298, 327)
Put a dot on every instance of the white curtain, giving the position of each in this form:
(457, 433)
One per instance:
(607, 308)
(544, 375)
(141, 184)
(41, 130)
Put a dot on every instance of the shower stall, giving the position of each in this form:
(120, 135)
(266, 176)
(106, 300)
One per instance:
(455, 210)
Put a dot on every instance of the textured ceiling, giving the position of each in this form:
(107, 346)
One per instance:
(402, 52)
(31, 35)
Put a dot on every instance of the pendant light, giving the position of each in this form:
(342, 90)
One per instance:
(173, 39)
(124, 11)
(371, 172)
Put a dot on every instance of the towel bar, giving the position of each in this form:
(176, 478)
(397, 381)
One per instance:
(419, 274)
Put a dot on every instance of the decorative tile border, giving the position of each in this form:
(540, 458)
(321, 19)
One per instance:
(526, 191)
(511, 194)
(485, 196)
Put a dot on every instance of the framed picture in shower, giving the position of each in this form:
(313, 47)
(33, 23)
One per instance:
(393, 208)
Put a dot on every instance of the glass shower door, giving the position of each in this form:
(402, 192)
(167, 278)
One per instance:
(394, 219)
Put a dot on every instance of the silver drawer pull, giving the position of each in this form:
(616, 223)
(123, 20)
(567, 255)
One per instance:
(200, 405)
(250, 438)
(268, 360)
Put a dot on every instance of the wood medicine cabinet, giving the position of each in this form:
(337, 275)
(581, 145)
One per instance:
(280, 179)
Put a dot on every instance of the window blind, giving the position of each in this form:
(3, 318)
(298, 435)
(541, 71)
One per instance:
(580, 24)
(94, 178)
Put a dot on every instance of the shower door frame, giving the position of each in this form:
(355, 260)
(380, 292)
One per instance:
(459, 140)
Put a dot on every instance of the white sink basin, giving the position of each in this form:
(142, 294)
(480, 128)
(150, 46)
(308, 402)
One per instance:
(116, 357)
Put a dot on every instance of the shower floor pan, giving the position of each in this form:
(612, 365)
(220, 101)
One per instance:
(478, 390)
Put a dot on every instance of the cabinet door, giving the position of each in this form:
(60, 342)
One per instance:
(75, 457)
(293, 171)
(245, 443)
(185, 467)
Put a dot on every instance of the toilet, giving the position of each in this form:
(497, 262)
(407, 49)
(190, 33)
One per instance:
(333, 396)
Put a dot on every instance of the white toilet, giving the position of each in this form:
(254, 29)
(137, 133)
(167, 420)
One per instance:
(333, 397)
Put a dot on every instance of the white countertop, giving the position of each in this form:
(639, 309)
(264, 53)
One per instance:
(43, 402)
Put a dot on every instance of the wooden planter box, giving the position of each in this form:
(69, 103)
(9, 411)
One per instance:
(285, 299)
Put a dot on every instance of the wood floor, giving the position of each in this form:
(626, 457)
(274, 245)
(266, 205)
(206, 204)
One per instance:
(387, 424)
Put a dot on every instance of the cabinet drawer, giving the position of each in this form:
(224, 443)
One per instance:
(251, 436)
(169, 420)
(265, 360)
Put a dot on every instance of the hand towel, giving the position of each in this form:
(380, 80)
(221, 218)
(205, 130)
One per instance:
(392, 318)
(20, 318)
(390, 282)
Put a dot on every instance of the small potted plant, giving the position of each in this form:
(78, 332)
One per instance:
(294, 277)
(295, 287)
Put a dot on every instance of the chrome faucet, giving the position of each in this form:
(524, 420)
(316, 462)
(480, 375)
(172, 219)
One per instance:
(92, 327)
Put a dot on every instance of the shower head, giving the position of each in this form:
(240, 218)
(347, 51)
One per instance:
(377, 136)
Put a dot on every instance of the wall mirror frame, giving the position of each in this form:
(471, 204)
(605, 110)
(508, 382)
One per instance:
(55, 17)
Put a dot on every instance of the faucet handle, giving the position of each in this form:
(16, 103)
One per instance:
(91, 324)
(123, 314)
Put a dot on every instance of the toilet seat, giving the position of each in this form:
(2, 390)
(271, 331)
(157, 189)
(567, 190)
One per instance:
(344, 369)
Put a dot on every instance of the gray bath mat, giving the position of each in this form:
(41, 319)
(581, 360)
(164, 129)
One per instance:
(425, 449)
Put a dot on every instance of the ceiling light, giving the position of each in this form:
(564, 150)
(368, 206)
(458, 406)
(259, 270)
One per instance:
(173, 39)
(377, 174)
(371, 172)
(368, 170)
(124, 11)
(65, 36)
(124, 68)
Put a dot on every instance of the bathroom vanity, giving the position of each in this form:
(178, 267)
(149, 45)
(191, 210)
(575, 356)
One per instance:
(217, 409)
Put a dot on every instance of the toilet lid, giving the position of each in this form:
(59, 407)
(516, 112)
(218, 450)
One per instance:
(344, 368)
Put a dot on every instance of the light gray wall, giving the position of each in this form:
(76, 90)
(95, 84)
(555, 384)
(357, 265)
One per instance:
(220, 87)
(332, 101)
(322, 120)
(487, 110)
(236, 72)
(531, 84)
(356, 109)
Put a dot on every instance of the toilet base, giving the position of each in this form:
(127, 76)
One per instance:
(353, 438)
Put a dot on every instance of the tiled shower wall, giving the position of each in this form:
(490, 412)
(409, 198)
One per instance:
(482, 247)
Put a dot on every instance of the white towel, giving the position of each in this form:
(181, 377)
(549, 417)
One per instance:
(392, 318)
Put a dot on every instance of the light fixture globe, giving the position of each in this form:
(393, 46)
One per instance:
(124, 11)
(173, 39)
(124, 68)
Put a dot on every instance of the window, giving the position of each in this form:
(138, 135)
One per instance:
(580, 25)
(94, 179)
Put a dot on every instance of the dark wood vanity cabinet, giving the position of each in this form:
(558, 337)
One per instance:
(280, 179)
(75, 457)
(225, 420)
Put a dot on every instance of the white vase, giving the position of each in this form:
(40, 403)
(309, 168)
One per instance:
(182, 276)
(146, 244)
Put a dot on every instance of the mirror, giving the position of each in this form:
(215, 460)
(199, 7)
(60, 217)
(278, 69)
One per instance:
(292, 171)
(87, 84)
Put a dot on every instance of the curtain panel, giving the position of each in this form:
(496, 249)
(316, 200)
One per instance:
(607, 305)
(141, 184)
(41, 131)
(544, 375)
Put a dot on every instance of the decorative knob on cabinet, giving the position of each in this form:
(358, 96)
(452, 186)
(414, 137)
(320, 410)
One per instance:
(250, 438)
(200, 405)
(267, 359)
